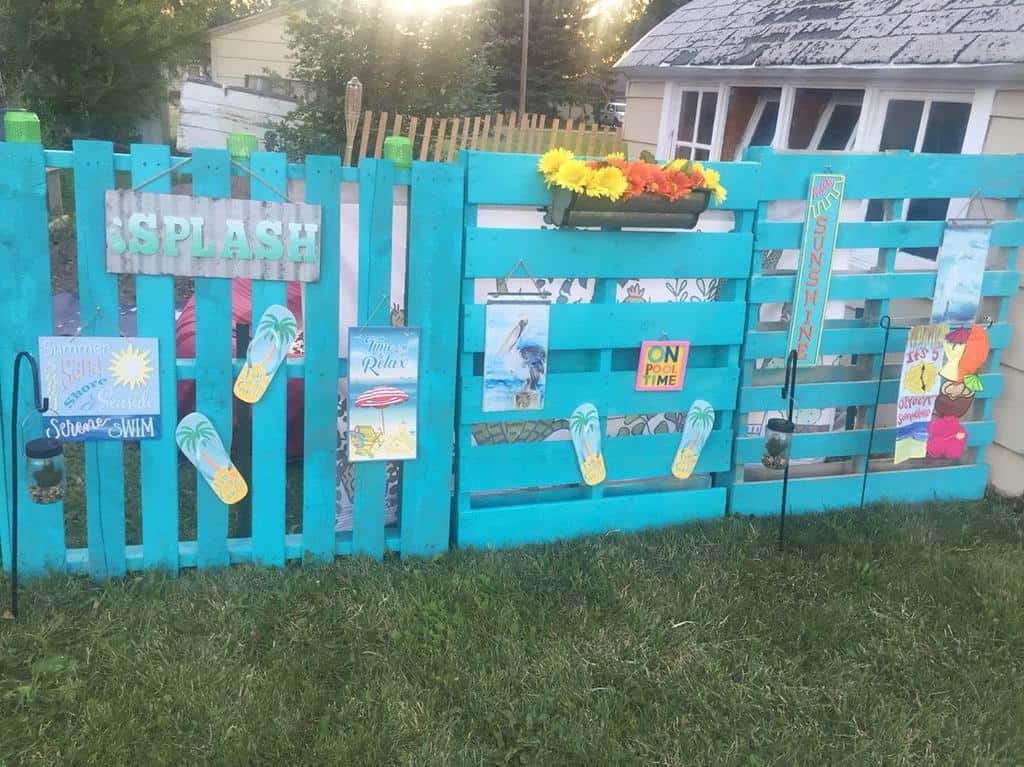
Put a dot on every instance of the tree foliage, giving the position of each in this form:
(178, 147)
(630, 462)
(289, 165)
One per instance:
(93, 68)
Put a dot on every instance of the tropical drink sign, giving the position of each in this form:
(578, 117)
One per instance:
(211, 237)
(919, 387)
(100, 388)
(383, 379)
(662, 365)
(814, 272)
(515, 356)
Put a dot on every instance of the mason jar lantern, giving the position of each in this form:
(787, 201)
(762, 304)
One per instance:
(44, 470)
(778, 438)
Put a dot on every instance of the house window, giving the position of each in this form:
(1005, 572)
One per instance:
(824, 119)
(922, 125)
(751, 120)
(696, 125)
(272, 85)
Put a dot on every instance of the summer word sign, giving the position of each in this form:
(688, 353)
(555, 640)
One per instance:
(211, 237)
(814, 272)
(100, 388)
(662, 365)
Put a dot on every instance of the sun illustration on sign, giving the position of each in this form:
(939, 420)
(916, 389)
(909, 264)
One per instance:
(130, 367)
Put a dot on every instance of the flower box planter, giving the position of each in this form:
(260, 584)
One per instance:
(643, 211)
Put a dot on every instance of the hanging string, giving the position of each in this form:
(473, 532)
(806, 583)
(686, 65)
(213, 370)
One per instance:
(262, 180)
(520, 265)
(383, 300)
(161, 174)
(964, 213)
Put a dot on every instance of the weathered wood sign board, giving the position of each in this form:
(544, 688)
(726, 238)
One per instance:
(211, 237)
(814, 273)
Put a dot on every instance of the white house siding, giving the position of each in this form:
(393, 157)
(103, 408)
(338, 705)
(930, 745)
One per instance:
(643, 116)
(1006, 456)
(250, 47)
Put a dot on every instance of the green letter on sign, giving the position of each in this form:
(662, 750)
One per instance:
(199, 249)
(298, 242)
(176, 229)
(268, 235)
(235, 240)
(143, 241)
(115, 239)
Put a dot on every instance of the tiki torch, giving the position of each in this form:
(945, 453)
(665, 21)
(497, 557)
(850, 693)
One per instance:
(353, 106)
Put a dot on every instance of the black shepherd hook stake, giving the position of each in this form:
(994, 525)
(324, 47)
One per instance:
(42, 404)
(886, 324)
(788, 392)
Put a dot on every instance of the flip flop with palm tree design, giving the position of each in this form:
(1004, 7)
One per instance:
(699, 423)
(201, 444)
(275, 332)
(585, 428)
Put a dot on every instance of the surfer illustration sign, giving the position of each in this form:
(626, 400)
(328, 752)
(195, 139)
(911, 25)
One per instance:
(515, 357)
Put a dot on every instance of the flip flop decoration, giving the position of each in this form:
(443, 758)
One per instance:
(201, 444)
(699, 421)
(585, 428)
(268, 348)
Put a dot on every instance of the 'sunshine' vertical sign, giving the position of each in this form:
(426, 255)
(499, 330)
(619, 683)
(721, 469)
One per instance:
(814, 272)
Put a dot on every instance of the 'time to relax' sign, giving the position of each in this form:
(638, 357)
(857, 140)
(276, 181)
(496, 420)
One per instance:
(211, 237)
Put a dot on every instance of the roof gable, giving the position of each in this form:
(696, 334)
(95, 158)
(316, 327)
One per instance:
(816, 33)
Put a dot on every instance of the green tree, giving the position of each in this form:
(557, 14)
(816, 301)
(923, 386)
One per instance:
(94, 68)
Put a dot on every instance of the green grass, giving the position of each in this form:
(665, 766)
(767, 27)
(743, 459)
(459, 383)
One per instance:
(891, 638)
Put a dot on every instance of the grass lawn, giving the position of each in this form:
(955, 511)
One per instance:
(892, 638)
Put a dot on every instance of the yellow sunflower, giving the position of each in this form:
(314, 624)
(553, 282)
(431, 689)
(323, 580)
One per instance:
(607, 182)
(713, 183)
(551, 161)
(678, 164)
(573, 175)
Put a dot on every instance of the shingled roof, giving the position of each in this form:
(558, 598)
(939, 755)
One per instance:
(816, 33)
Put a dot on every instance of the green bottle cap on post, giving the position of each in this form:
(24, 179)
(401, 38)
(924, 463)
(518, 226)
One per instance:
(242, 145)
(398, 149)
(22, 127)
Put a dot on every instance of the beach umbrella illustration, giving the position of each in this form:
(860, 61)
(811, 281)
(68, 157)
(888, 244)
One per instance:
(381, 397)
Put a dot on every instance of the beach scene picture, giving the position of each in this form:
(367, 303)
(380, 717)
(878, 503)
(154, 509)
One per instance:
(961, 268)
(383, 380)
(515, 356)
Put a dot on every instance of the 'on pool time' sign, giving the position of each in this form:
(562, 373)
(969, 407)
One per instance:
(211, 237)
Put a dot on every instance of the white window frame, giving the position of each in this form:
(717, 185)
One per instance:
(692, 144)
(835, 100)
(786, 99)
(668, 140)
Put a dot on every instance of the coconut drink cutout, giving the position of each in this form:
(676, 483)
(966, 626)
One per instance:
(954, 399)
(966, 351)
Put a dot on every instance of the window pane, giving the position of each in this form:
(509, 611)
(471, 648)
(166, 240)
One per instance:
(765, 130)
(947, 124)
(701, 154)
(706, 125)
(683, 152)
(840, 128)
(902, 119)
(687, 116)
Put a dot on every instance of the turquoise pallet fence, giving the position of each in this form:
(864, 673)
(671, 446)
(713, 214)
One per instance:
(269, 414)
(893, 178)
(154, 298)
(522, 492)
(25, 293)
(98, 307)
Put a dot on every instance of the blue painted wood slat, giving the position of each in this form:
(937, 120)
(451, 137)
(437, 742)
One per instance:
(211, 177)
(98, 306)
(154, 299)
(320, 437)
(25, 294)
(269, 419)
(434, 266)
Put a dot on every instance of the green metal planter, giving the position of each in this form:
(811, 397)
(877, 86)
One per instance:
(643, 211)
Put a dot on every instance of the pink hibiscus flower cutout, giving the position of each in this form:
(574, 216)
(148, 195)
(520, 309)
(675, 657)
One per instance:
(947, 438)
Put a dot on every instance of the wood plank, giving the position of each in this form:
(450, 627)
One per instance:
(544, 464)
(474, 142)
(582, 253)
(269, 417)
(397, 129)
(511, 133)
(873, 286)
(553, 140)
(211, 177)
(97, 290)
(541, 522)
(499, 122)
(781, 235)
(25, 293)
(591, 141)
(411, 133)
(364, 140)
(440, 139)
(843, 492)
(453, 141)
(612, 392)
(376, 190)
(320, 434)
(428, 126)
(382, 127)
(436, 195)
(626, 325)
(154, 300)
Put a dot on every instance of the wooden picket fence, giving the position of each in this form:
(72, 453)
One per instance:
(439, 139)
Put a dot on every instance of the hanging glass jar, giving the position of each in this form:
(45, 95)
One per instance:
(778, 438)
(44, 470)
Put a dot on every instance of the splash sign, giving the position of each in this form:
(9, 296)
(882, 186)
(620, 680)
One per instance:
(814, 272)
(211, 237)
(662, 365)
(100, 388)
